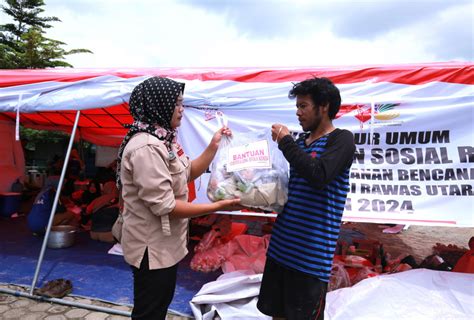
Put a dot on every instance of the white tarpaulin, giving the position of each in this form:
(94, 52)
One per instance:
(232, 296)
(419, 294)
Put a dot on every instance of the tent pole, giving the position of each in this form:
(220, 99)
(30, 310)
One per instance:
(66, 302)
(55, 203)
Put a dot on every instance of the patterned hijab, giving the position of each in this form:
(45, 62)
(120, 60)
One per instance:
(152, 104)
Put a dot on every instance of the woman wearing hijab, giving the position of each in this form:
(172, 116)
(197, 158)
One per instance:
(152, 174)
(92, 192)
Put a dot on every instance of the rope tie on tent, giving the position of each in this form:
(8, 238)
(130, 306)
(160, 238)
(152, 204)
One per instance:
(17, 120)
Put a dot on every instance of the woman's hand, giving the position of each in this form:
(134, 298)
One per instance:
(201, 163)
(279, 131)
(217, 137)
(229, 205)
(184, 209)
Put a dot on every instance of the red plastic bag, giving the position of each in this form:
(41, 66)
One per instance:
(364, 273)
(466, 263)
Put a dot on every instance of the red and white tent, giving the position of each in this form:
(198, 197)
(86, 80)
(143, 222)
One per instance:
(412, 123)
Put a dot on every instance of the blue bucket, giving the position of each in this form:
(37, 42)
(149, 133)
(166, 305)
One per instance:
(9, 203)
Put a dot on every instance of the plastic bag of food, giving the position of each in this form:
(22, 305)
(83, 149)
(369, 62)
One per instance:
(207, 261)
(250, 166)
(339, 277)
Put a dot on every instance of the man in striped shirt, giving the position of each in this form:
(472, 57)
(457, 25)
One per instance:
(305, 234)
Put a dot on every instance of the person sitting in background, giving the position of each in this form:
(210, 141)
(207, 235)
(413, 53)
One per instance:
(75, 165)
(103, 211)
(55, 165)
(111, 170)
(75, 168)
(105, 174)
(40, 212)
(64, 215)
(93, 191)
(466, 263)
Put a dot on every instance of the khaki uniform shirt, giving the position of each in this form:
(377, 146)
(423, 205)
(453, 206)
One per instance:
(151, 181)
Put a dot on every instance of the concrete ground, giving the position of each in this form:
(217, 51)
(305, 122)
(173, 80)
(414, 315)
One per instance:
(14, 307)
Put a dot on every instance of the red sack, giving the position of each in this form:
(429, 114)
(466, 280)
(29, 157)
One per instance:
(466, 263)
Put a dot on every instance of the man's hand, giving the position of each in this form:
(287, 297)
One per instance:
(279, 131)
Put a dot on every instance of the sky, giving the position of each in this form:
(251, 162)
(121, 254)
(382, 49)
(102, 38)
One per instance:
(261, 33)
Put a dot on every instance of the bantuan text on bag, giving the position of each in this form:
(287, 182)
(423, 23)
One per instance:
(250, 166)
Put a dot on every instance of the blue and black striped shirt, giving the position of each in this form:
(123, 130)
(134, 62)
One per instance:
(306, 232)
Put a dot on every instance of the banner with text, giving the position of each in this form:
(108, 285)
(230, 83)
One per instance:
(414, 154)
(413, 164)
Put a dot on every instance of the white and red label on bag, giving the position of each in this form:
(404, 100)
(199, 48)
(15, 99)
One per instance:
(252, 155)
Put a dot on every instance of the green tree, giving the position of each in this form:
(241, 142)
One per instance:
(34, 136)
(23, 44)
